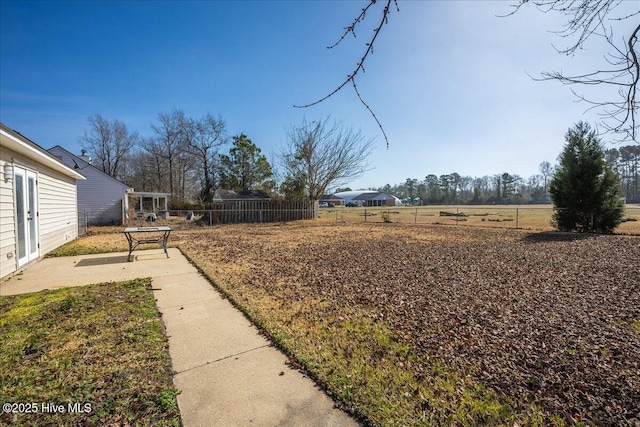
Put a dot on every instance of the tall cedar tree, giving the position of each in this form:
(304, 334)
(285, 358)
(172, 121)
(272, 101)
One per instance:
(585, 191)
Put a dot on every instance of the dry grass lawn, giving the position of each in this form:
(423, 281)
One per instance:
(440, 325)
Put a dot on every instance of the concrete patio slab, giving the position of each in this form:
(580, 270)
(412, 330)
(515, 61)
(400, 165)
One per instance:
(60, 272)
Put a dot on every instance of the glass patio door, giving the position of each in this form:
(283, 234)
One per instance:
(26, 215)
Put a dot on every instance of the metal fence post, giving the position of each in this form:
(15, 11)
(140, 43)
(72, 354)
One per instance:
(365, 215)
(210, 217)
(517, 217)
(415, 221)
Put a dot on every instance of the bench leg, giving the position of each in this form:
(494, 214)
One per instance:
(131, 246)
(165, 239)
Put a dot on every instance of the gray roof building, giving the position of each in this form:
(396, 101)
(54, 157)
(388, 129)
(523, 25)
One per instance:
(102, 199)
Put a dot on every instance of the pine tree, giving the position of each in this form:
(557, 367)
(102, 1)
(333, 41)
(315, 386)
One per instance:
(585, 191)
(245, 167)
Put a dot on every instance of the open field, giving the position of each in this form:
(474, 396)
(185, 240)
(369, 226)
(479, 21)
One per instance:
(526, 217)
(97, 356)
(437, 325)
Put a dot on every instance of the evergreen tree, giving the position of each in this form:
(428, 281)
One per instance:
(293, 188)
(245, 167)
(585, 191)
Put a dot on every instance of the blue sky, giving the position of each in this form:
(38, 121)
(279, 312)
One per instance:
(448, 80)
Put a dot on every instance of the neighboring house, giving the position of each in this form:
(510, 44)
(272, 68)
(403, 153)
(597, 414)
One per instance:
(368, 198)
(328, 200)
(38, 201)
(377, 198)
(230, 196)
(348, 196)
(102, 199)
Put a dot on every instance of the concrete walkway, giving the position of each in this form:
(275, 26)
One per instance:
(229, 374)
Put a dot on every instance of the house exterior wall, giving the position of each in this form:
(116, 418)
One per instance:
(380, 202)
(100, 197)
(348, 196)
(57, 215)
(373, 199)
(385, 200)
(377, 203)
(8, 261)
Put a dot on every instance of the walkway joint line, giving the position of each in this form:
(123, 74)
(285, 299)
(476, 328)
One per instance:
(209, 362)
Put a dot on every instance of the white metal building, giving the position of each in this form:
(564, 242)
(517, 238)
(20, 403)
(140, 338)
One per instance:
(360, 197)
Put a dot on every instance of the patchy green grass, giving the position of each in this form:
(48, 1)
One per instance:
(91, 356)
(83, 247)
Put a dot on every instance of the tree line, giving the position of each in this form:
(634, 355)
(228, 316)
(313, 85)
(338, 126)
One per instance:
(453, 188)
(506, 188)
(186, 157)
(625, 161)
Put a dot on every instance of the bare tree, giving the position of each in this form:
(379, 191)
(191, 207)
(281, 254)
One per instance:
(323, 154)
(204, 137)
(155, 166)
(547, 172)
(186, 175)
(595, 18)
(168, 144)
(109, 142)
(139, 167)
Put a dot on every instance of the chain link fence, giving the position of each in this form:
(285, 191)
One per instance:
(526, 217)
(500, 216)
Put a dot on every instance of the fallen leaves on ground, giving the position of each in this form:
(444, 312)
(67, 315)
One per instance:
(547, 319)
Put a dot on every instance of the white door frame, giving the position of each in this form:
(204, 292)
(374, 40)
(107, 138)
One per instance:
(26, 214)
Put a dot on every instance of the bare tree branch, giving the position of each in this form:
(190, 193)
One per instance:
(355, 87)
(360, 65)
(588, 18)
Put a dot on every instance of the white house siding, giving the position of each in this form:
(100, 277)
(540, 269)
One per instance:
(56, 193)
(58, 217)
(100, 197)
(8, 262)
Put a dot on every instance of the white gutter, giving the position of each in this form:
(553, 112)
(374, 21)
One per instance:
(26, 148)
